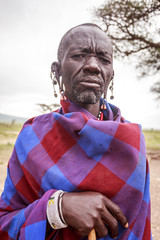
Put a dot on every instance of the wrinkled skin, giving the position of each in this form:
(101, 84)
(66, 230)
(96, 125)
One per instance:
(86, 70)
(87, 210)
(86, 67)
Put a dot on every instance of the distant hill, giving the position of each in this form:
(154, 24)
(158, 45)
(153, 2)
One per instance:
(9, 118)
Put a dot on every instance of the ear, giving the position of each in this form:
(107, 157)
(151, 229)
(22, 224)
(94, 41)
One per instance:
(55, 68)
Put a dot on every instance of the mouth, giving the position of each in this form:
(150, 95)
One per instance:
(90, 82)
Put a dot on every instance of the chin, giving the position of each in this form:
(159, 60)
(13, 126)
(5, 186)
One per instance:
(86, 97)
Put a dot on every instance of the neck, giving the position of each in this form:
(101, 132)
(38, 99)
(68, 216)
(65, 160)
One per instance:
(92, 108)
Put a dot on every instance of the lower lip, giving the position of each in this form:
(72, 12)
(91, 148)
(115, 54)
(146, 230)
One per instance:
(90, 84)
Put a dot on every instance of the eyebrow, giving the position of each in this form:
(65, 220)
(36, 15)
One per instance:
(86, 50)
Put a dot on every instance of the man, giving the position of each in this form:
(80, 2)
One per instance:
(82, 167)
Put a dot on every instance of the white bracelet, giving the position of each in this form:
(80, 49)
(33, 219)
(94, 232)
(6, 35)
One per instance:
(54, 211)
(60, 207)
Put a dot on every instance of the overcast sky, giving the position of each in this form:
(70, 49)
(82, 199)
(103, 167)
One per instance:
(30, 31)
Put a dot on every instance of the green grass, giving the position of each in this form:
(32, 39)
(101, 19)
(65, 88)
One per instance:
(9, 133)
(6, 146)
(4, 127)
(152, 138)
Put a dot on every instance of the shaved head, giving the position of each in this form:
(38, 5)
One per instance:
(61, 47)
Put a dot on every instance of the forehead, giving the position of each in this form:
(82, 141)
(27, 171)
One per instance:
(88, 37)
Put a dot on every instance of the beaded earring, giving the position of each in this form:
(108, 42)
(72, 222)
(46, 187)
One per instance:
(103, 106)
(111, 88)
(61, 89)
(54, 82)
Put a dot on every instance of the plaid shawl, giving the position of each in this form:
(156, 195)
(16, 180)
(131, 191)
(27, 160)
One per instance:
(71, 150)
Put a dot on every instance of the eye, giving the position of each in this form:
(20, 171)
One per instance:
(104, 60)
(78, 56)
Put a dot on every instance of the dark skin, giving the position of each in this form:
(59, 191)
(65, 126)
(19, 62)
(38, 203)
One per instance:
(87, 65)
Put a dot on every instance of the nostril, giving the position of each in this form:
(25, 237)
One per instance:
(91, 67)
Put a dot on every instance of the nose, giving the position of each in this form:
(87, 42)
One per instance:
(91, 65)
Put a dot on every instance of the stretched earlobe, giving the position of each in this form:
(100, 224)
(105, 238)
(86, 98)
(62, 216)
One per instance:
(112, 76)
(55, 76)
(111, 87)
(55, 68)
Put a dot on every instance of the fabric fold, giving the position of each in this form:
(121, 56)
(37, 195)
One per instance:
(71, 150)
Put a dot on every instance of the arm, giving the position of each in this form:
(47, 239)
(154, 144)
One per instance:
(23, 203)
(83, 211)
(21, 214)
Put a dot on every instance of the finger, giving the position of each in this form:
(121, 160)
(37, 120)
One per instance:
(119, 215)
(115, 210)
(111, 222)
(101, 229)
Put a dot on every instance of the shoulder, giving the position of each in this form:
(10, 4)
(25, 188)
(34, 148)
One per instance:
(44, 119)
(38, 126)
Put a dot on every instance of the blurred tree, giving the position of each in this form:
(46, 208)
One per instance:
(134, 28)
(48, 108)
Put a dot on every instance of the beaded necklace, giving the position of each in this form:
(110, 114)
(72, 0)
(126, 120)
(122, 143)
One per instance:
(100, 116)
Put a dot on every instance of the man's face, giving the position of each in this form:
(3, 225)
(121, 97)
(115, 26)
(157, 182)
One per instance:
(86, 68)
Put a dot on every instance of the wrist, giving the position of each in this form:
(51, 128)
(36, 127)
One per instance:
(54, 211)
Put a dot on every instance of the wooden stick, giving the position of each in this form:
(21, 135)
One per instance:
(92, 235)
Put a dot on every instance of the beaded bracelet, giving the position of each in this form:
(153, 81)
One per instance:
(54, 211)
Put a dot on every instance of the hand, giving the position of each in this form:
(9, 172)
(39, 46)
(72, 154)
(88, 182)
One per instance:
(87, 210)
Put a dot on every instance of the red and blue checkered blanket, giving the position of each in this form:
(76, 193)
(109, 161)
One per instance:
(73, 151)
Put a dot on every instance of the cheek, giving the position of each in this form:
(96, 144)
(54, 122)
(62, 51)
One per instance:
(68, 71)
(71, 73)
(107, 78)
(66, 75)
(108, 75)
(67, 83)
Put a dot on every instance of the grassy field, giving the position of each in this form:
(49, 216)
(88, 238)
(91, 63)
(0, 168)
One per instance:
(152, 138)
(9, 133)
